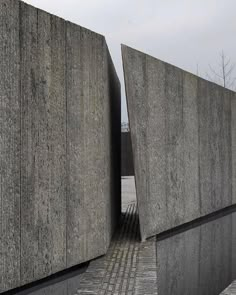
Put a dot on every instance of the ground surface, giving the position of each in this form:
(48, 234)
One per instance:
(129, 266)
(128, 192)
(231, 290)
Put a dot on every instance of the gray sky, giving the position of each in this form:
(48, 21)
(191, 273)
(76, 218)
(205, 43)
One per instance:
(181, 32)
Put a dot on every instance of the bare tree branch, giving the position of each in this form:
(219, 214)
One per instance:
(224, 75)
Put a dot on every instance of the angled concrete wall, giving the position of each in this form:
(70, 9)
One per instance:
(127, 163)
(183, 140)
(233, 132)
(59, 144)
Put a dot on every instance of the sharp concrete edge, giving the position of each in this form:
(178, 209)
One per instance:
(59, 142)
(182, 127)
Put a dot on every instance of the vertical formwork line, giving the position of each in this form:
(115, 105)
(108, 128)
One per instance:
(20, 101)
(66, 150)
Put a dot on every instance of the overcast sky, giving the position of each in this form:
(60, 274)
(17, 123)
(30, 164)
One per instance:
(181, 32)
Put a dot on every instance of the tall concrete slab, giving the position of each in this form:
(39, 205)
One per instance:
(9, 145)
(77, 208)
(59, 145)
(43, 132)
(233, 134)
(174, 145)
(233, 259)
(215, 151)
(181, 132)
(29, 72)
(112, 152)
(91, 159)
(191, 142)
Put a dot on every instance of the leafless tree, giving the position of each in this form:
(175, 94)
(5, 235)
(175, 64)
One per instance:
(224, 74)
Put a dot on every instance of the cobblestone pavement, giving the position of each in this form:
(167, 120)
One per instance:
(231, 290)
(129, 266)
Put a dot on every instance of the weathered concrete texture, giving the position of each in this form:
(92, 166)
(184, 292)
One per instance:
(59, 144)
(9, 144)
(43, 143)
(234, 246)
(127, 163)
(233, 132)
(181, 132)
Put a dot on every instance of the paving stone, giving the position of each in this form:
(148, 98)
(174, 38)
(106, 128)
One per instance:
(129, 266)
(231, 290)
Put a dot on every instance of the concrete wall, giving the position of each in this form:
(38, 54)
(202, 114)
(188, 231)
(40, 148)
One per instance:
(183, 140)
(233, 132)
(59, 144)
(127, 164)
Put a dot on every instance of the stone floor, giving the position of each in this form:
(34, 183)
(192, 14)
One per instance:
(128, 192)
(129, 266)
(231, 290)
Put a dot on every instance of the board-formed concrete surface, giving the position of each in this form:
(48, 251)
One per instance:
(59, 144)
(233, 118)
(183, 140)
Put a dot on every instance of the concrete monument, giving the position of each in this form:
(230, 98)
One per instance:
(59, 144)
(183, 132)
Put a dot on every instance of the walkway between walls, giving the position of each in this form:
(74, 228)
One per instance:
(129, 266)
(231, 290)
